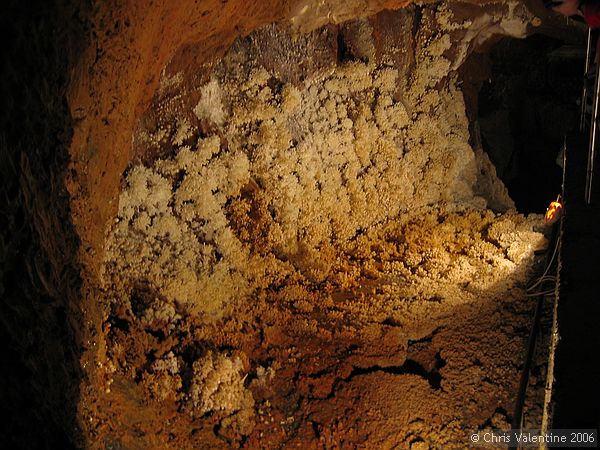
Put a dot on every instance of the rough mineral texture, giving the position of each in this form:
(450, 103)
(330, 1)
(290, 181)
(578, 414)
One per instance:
(270, 224)
(304, 252)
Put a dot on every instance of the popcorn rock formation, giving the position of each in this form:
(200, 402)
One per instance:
(325, 225)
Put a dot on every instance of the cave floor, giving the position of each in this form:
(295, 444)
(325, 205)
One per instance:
(330, 381)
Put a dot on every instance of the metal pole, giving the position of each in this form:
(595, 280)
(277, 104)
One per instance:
(585, 73)
(592, 147)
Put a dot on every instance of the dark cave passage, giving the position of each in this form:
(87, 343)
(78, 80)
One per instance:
(528, 102)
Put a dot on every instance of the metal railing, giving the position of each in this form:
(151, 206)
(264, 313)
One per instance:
(594, 119)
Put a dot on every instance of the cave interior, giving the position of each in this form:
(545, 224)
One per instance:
(310, 224)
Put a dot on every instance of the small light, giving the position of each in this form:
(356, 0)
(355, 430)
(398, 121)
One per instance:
(554, 210)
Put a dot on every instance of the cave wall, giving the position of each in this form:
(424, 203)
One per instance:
(92, 70)
(116, 78)
(132, 42)
(323, 136)
(134, 45)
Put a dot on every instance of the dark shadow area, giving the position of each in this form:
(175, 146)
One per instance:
(576, 396)
(526, 108)
(522, 98)
(39, 278)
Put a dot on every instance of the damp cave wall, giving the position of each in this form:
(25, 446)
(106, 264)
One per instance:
(74, 79)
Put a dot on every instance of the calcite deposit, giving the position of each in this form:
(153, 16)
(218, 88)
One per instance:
(331, 228)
